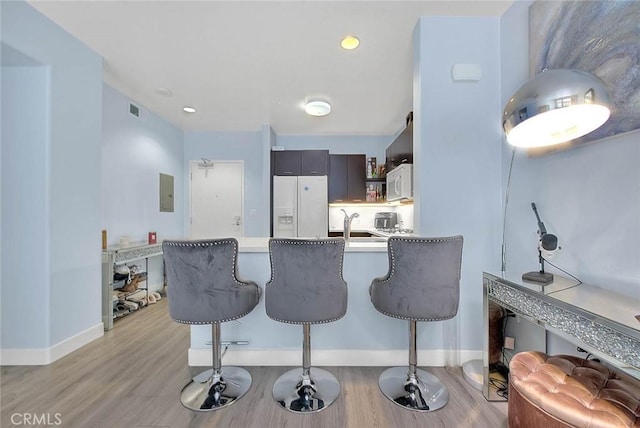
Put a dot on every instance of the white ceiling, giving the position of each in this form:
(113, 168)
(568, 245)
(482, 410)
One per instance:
(244, 64)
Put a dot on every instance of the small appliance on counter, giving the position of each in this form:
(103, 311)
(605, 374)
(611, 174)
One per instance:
(386, 224)
(385, 220)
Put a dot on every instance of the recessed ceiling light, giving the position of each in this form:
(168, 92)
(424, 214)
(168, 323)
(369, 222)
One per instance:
(189, 109)
(165, 92)
(350, 42)
(317, 108)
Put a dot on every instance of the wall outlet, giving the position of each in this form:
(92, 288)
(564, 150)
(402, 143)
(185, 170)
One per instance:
(509, 342)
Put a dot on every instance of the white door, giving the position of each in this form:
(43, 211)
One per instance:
(216, 199)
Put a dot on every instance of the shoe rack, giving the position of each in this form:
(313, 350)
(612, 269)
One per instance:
(130, 254)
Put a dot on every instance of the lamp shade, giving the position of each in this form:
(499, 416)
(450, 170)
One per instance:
(555, 106)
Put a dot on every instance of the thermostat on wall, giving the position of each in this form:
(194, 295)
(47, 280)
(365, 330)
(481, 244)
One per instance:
(470, 72)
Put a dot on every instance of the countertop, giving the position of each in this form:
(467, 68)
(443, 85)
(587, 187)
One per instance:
(357, 245)
(261, 245)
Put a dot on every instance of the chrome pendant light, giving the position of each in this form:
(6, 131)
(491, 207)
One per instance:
(555, 106)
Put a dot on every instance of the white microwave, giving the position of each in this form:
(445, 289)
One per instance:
(399, 182)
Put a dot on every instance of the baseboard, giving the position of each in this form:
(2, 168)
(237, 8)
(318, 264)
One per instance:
(332, 357)
(44, 356)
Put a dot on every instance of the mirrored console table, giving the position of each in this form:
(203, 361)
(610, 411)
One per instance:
(597, 320)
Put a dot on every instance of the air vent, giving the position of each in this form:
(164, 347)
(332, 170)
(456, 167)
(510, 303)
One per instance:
(134, 110)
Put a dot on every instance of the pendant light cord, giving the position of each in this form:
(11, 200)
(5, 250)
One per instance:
(504, 215)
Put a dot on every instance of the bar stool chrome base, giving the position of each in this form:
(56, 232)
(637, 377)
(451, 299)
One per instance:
(299, 394)
(422, 393)
(207, 392)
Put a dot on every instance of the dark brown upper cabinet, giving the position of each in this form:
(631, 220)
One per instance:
(287, 162)
(347, 178)
(401, 150)
(300, 162)
(315, 162)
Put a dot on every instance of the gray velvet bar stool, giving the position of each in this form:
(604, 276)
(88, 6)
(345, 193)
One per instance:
(203, 288)
(423, 284)
(306, 287)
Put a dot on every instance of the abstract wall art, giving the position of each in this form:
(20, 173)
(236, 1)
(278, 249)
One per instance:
(602, 37)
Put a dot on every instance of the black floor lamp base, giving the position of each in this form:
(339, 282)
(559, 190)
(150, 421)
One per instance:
(539, 277)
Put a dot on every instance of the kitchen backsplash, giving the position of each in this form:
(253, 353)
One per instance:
(405, 216)
(366, 215)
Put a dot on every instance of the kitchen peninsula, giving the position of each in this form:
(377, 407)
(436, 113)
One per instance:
(362, 337)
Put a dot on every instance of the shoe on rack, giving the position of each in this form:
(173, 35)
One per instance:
(133, 306)
(121, 307)
(140, 301)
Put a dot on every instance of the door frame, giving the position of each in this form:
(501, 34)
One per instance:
(195, 164)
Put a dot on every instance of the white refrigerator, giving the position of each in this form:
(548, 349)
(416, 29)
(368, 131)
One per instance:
(300, 206)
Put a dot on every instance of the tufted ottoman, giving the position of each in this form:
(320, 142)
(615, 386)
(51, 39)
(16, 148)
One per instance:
(567, 391)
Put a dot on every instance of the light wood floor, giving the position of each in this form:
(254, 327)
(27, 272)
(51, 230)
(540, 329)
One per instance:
(132, 376)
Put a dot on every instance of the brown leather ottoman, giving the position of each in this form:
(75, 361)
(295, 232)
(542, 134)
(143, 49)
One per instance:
(567, 391)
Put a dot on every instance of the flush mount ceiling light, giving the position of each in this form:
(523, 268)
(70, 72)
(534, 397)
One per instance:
(317, 108)
(555, 106)
(189, 109)
(350, 42)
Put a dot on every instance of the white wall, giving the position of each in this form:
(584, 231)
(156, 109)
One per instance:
(457, 154)
(70, 223)
(25, 96)
(590, 198)
(135, 150)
